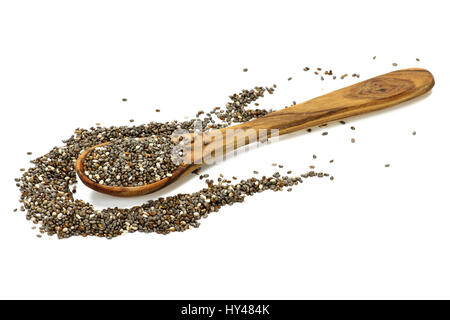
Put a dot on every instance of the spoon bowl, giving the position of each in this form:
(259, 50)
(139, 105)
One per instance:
(182, 170)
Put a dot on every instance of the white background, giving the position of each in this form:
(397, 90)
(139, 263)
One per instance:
(373, 232)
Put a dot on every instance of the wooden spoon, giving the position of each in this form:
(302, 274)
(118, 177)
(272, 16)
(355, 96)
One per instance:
(374, 94)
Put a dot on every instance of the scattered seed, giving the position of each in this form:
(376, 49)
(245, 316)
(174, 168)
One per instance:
(352, 127)
(387, 165)
(394, 64)
(245, 70)
(157, 110)
(353, 140)
(324, 133)
(290, 78)
(124, 99)
(414, 133)
(417, 59)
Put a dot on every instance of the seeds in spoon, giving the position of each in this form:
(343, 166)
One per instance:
(131, 162)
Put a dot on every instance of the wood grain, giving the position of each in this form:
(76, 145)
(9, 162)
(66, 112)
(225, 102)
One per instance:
(367, 96)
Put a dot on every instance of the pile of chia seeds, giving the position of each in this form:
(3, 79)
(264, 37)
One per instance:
(131, 162)
(48, 199)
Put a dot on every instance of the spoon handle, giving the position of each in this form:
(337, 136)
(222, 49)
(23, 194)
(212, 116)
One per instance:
(370, 95)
